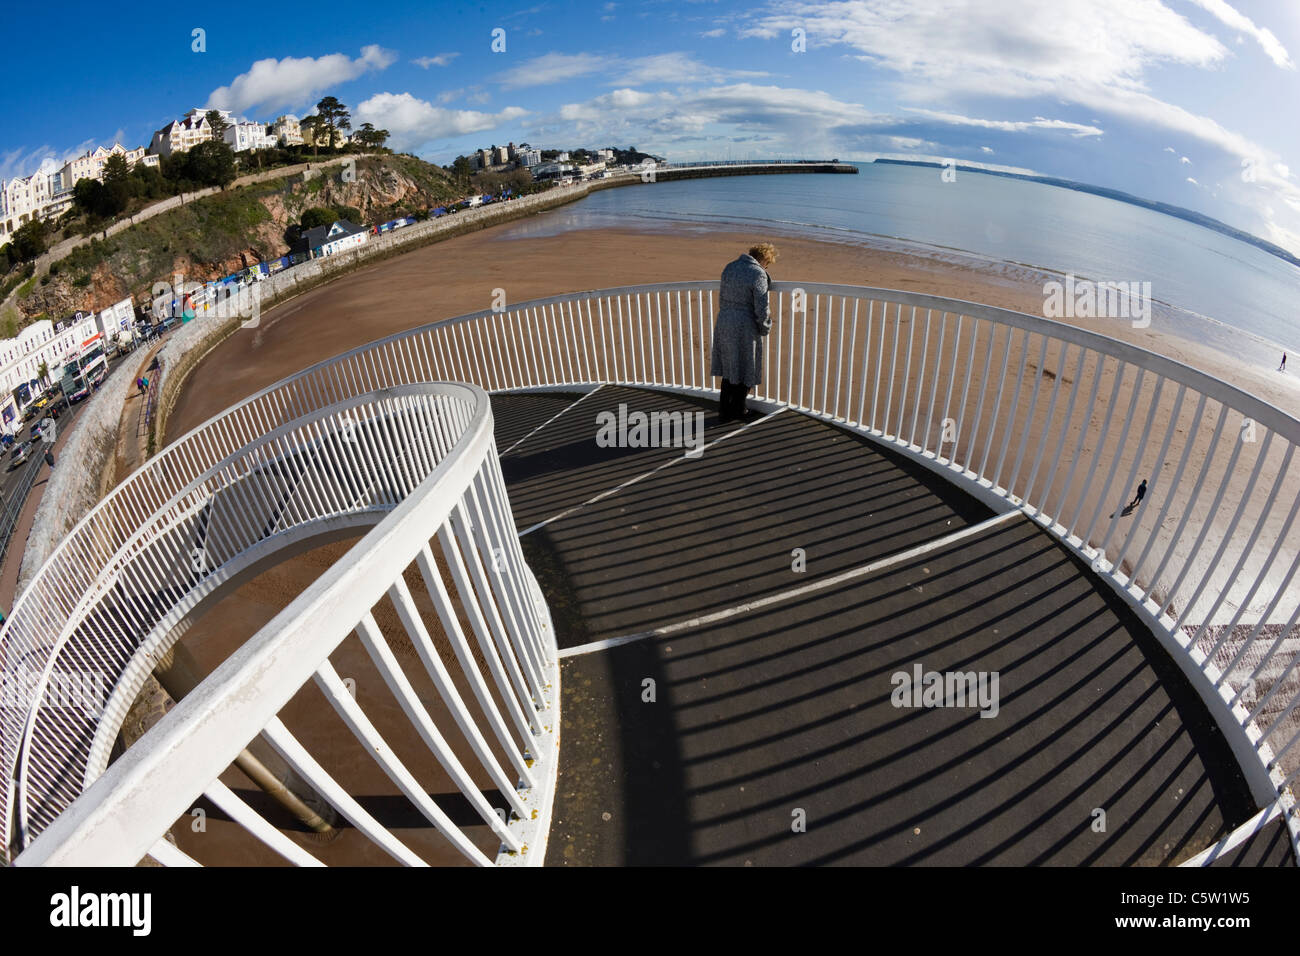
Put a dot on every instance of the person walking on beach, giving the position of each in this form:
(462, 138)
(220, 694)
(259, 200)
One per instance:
(1282, 367)
(1137, 499)
(744, 318)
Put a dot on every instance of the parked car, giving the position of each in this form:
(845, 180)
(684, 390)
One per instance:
(19, 455)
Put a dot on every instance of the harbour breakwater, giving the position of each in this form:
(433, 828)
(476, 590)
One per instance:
(709, 170)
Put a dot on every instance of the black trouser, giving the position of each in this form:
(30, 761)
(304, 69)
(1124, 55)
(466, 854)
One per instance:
(731, 400)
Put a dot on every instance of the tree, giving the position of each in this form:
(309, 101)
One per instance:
(211, 164)
(28, 241)
(318, 216)
(88, 195)
(462, 168)
(334, 116)
(218, 124)
(43, 373)
(118, 189)
(369, 137)
(115, 169)
(147, 181)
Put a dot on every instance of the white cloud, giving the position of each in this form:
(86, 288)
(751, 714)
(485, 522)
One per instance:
(714, 33)
(17, 164)
(1185, 160)
(1091, 54)
(1001, 47)
(1236, 20)
(986, 149)
(554, 68)
(442, 59)
(1007, 126)
(636, 71)
(1192, 181)
(412, 121)
(270, 84)
(701, 122)
(1170, 149)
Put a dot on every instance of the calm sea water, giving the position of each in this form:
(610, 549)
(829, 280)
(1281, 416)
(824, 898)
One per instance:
(1216, 285)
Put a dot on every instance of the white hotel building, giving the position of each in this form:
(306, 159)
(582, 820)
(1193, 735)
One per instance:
(22, 200)
(91, 165)
(287, 131)
(45, 194)
(184, 134)
(21, 358)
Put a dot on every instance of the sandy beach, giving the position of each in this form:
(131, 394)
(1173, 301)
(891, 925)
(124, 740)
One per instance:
(460, 275)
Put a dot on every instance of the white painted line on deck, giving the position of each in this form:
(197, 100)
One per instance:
(653, 471)
(874, 566)
(562, 411)
(1237, 836)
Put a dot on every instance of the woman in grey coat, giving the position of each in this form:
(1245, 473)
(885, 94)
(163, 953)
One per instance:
(743, 319)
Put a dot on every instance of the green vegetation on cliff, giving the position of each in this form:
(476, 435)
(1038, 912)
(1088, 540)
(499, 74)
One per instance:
(208, 238)
(208, 232)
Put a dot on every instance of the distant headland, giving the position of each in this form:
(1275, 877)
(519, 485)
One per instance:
(1164, 207)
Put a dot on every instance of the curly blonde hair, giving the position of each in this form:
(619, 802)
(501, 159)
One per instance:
(765, 253)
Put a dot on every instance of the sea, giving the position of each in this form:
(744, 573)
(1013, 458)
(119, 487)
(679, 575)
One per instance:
(1213, 288)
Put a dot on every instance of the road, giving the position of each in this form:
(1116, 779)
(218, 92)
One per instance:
(16, 483)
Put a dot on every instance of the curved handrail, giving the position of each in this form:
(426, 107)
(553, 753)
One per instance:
(405, 436)
(147, 550)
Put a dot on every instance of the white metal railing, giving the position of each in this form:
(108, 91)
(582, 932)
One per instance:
(1057, 421)
(363, 440)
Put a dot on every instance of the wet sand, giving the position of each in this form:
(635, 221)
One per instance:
(460, 275)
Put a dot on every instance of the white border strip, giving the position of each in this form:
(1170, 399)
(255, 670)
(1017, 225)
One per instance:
(653, 471)
(803, 589)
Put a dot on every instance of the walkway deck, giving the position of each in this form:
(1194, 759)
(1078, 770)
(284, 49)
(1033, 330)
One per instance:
(772, 687)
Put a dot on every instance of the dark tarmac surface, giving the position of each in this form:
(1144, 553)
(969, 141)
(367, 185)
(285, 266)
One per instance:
(772, 736)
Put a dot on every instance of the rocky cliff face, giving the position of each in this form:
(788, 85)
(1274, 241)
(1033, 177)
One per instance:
(221, 234)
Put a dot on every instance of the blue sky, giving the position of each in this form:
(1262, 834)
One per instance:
(1193, 102)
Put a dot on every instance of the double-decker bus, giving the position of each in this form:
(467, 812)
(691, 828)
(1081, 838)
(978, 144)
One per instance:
(86, 371)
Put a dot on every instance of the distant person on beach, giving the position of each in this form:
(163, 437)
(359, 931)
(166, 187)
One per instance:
(1282, 367)
(1137, 499)
(743, 319)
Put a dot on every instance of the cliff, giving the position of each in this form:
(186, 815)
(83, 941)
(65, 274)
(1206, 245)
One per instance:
(212, 237)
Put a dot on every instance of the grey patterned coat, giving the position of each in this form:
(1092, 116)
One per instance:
(743, 320)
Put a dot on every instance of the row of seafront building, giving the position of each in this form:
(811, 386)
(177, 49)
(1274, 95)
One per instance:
(48, 193)
(56, 345)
